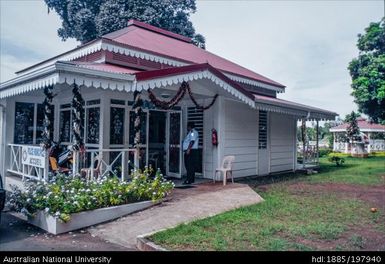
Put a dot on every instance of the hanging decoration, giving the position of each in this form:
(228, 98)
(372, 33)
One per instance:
(166, 105)
(196, 103)
(170, 104)
(48, 118)
(78, 119)
(138, 103)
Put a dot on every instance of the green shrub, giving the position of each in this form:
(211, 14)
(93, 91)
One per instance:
(336, 158)
(65, 195)
(378, 154)
(324, 152)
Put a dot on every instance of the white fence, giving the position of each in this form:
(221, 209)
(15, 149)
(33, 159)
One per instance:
(97, 163)
(28, 161)
(33, 162)
(309, 155)
(373, 145)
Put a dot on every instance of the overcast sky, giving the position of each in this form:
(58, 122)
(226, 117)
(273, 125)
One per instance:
(305, 45)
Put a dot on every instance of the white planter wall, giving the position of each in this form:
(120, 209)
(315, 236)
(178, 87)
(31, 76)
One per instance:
(84, 219)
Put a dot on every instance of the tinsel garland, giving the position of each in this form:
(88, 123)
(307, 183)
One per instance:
(138, 103)
(196, 103)
(170, 104)
(48, 118)
(166, 105)
(78, 119)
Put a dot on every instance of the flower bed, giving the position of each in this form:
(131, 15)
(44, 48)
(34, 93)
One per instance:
(80, 220)
(64, 196)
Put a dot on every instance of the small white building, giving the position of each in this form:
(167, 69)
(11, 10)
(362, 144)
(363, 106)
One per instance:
(372, 134)
(252, 123)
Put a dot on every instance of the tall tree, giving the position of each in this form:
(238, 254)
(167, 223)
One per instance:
(368, 72)
(352, 131)
(86, 20)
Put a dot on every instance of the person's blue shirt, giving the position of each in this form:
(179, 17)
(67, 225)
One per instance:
(191, 136)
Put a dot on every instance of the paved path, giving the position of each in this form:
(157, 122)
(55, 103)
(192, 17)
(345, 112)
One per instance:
(18, 235)
(186, 205)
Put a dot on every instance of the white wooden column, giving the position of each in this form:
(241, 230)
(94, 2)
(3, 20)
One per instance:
(104, 126)
(317, 140)
(3, 142)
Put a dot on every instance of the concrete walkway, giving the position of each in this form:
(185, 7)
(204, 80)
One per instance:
(186, 205)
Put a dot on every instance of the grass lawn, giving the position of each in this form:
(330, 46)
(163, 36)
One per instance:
(325, 211)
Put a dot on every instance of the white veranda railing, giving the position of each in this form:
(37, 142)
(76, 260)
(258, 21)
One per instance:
(92, 163)
(309, 155)
(98, 163)
(19, 164)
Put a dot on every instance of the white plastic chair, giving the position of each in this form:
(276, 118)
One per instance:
(96, 169)
(227, 167)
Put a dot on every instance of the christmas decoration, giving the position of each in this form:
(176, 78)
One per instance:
(138, 103)
(166, 105)
(78, 119)
(48, 118)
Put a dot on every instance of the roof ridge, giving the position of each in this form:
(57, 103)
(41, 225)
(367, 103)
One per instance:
(133, 22)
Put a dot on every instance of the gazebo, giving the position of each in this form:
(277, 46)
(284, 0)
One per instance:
(372, 134)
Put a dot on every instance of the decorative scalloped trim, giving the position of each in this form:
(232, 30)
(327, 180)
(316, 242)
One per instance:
(253, 82)
(68, 79)
(96, 82)
(30, 86)
(141, 55)
(177, 79)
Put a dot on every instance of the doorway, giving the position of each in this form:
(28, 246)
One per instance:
(164, 142)
(157, 141)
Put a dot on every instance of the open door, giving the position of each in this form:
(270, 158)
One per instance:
(174, 153)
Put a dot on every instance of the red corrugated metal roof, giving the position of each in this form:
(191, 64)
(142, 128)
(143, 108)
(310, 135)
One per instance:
(160, 41)
(362, 124)
(148, 75)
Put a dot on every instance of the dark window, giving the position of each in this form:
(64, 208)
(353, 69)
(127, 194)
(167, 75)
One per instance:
(24, 115)
(93, 121)
(40, 122)
(117, 125)
(262, 136)
(93, 102)
(65, 106)
(118, 102)
(65, 126)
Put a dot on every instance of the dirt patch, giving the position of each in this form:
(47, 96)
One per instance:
(373, 195)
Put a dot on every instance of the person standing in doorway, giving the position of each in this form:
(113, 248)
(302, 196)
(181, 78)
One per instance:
(190, 150)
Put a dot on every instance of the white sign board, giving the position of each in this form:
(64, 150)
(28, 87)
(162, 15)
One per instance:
(33, 156)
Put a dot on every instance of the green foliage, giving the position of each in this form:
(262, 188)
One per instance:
(86, 20)
(368, 72)
(336, 158)
(377, 154)
(352, 131)
(324, 151)
(356, 171)
(64, 195)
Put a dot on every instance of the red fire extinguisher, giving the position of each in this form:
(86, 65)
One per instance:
(214, 137)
